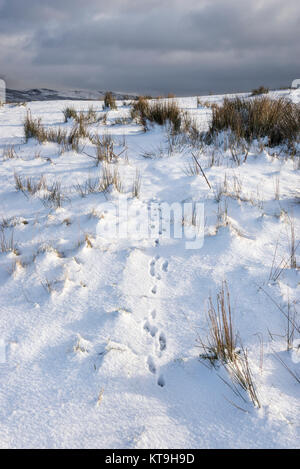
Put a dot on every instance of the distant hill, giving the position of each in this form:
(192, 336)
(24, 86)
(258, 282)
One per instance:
(45, 94)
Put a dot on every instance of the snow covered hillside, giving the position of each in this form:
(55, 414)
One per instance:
(45, 94)
(100, 334)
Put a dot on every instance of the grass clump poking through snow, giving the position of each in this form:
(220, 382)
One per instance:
(69, 113)
(33, 128)
(260, 90)
(109, 101)
(89, 117)
(104, 148)
(9, 153)
(7, 244)
(221, 342)
(52, 196)
(139, 111)
(277, 119)
(221, 346)
(109, 178)
(157, 112)
(28, 185)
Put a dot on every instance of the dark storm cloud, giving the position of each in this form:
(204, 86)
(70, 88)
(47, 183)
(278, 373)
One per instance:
(187, 47)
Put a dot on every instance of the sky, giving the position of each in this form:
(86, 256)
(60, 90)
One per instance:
(186, 47)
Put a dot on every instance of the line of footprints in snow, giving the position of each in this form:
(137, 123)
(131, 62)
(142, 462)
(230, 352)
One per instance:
(150, 326)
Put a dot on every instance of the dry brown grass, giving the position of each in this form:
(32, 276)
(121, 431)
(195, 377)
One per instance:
(136, 187)
(7, 243)
(29, 185)
(260, 90)
(9, 153)
(277, 119)
(88, 117)
(33, 128)
(109, 177)
(220, 347)
(52, 196)
(104, 149)
(109, 101)
(221, 341)
(157, 112)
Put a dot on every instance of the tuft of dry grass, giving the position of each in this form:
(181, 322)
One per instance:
(9, 153)
(33, 128)
(90, 186)
(53, 196)
(109, 101)
(69, 113)
(109, 177)
(241, 376)
(89, 117)
(260, 90)
(277, 119)
(104, 149)
(28, 185)
(7, 244)
(139, 111)
(157, 112)
(88, 241)
(221, 342)
(221, 346)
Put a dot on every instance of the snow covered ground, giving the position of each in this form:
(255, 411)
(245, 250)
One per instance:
(100, 334)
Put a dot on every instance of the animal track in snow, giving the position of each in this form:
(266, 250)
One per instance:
(162, 342)
(152, 268)
(151, 365)
(161, 381)
(164, 266)
(151, 329)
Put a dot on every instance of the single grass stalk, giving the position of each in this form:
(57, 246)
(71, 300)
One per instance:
(8, 244)
(136, 187)
(295, 375)
(277, 188)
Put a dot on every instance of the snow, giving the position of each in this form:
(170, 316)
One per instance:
(101, 341)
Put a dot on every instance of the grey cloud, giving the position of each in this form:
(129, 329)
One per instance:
(187, 47)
